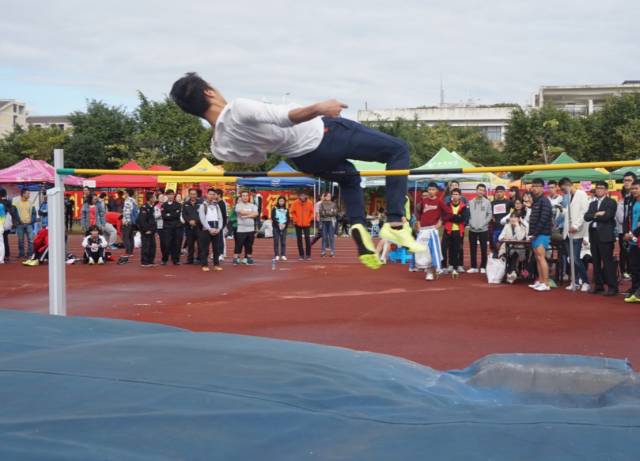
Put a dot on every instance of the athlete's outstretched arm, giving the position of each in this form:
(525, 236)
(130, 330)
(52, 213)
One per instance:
(330, 108)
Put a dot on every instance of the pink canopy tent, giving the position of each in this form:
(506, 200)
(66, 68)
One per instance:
(34, 171)
(146, 182)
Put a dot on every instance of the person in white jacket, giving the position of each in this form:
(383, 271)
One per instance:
(94, 245)
(513, 230)
(576, 228)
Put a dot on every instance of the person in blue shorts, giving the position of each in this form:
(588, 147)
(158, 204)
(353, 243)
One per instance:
(540, 226)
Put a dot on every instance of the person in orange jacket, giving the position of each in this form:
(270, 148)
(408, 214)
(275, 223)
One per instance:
(302, 216)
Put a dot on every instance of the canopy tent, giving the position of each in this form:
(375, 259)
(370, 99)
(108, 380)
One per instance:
(203, 166)
(34, 171)
(445, 160)
(581, 174)
(113, 180)
(278, 183)
(619, 173)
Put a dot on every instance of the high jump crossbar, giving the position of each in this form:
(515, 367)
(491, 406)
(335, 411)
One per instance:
(410, 172)
(57, 281)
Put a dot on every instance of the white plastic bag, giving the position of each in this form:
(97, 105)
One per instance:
(137, 240)
(8, 222)
(423, 258)
(496, 267)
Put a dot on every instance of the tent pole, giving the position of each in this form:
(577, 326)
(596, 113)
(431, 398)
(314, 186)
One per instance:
(572, 255)
(57, 275)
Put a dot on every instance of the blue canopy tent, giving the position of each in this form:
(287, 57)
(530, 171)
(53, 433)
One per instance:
(269, 182)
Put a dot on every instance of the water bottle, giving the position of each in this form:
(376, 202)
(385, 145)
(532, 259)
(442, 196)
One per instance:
(273, 264)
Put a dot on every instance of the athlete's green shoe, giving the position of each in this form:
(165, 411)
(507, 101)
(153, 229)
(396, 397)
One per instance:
(632, 299)
(367, 253)
(402, 237)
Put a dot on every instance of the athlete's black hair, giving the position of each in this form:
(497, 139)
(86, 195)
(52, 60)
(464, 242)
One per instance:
(188, 93)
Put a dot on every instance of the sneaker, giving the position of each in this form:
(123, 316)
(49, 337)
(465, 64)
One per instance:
(429, 276)
(585, 287)
(632, 299)
(307, 258)
(483, 271)
(441, 271)
(367, 253)
(249, 261)
(283, 258)
(322, 255)
(236, 261)
(571, 287)
(205, 269)
(450, 269)
(100, 261)
(460, 269)
(402, 237)
(276, 258)
(454, 274)
(512, 277)
(91, 262)
(217, 268)
(301, 258)
(543, 287)
(473, 270)
(626, 276)
(535, 284)
(243, 261)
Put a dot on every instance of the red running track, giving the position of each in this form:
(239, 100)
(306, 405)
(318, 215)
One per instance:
(444, 324)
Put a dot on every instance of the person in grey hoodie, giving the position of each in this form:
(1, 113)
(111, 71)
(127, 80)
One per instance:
(479, 218)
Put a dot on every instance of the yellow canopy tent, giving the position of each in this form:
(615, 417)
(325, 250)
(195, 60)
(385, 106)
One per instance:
(203, 166)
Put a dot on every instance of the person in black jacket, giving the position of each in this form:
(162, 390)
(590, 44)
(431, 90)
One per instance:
(191, 222)
(213, 219)
(170, 211)
(280, 219)
(223, 208)
(601, 217)
(147, 225)
(9, 208)
(626, 206)
(540, 226)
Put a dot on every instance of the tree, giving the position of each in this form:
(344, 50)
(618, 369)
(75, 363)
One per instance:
(539, 135)
(612, 131)
(36, 143)
(176, 138)
(102, 137)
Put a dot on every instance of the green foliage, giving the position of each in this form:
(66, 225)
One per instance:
(102, 137)
(424, 141)
(612, 133)
(175, 138)
(36, 143)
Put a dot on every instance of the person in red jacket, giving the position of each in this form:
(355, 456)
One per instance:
(301, 213)
(40, 248)
(456, 217)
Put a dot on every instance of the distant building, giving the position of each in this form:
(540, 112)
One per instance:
(581, 99)
(46, 121)
(490, 120)
(12, 114)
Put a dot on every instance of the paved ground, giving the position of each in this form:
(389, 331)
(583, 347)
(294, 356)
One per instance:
(444, 324)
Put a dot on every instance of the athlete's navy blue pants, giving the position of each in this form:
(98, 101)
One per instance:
(345, 139)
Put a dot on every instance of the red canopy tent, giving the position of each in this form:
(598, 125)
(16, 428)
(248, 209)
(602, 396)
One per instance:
(123, 181)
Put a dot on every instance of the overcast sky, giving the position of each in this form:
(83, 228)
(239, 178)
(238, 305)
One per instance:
(55, 55)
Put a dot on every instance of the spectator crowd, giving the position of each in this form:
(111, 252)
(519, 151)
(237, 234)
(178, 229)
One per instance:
(522, 231)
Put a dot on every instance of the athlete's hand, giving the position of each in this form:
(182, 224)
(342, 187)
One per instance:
(331, 108)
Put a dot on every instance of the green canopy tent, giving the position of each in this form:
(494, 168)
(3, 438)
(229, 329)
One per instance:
(580, 174)
(619, 173)
(445, 160)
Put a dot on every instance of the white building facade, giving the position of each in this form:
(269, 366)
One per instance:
(581, 99)
(492, 121)
(47, 121)
(12, 114)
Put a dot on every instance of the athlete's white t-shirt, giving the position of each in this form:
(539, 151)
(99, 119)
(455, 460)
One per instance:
(247, 130)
